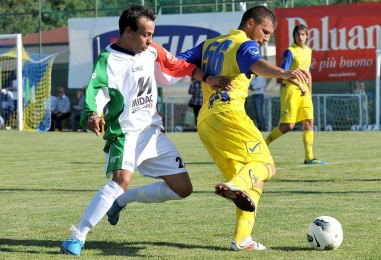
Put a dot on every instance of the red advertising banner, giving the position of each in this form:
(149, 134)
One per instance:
(343, 39)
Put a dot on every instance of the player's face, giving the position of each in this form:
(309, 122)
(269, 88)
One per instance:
(142, 38)
(259, 32)
(301, 38)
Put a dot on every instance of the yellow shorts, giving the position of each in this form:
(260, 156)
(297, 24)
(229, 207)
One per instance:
(293, 106)
(233, 140)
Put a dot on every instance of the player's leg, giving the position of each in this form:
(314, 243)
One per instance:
(104, 198)
(245, 221)
(242, 142)
(288, 112)
(239, 188)
(306, 115)
(98, 207)
(308, 139)
(168, 165)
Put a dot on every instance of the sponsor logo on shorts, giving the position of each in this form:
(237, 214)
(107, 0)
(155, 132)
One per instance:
(253, 147)
(127, 163)
(113, 159)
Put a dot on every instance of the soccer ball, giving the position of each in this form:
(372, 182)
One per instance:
(325, 233)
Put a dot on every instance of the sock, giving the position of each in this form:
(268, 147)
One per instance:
(152, 193)
(250, 175)
(97, 208)
(275, 134)
(308, 141)
(245, 220)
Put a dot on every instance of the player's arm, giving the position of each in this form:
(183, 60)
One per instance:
(96, 98)
(269, 70)
(250, 61)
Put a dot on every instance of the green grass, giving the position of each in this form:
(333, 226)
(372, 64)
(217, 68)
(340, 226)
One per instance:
(47, 180)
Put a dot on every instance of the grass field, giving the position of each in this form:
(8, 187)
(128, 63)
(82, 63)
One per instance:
(47, 180)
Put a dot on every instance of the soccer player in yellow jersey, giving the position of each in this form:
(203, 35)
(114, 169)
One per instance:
(230, 136)
(296, 97)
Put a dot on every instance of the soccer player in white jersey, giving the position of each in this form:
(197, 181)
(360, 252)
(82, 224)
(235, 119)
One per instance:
(124, 81)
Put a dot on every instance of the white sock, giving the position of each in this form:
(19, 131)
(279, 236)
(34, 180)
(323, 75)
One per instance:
(97, 208)
(152, 193)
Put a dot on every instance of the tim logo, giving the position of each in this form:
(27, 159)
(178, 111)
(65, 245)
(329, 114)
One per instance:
(219, 95)
(174, 38)
(253, 147)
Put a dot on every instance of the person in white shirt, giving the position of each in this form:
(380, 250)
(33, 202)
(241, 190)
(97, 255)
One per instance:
(256, 99)
(60, 111)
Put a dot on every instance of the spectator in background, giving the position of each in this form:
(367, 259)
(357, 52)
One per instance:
(7, 107)
(61, 111)
(53, 103)
(196, 100)
(76, 116)
(256, 99)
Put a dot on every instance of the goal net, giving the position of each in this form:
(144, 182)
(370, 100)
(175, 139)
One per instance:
(25, 86)
(331, 111)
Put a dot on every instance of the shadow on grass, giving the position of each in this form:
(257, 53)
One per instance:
(107, 248)
(327, 180)
(291, 249)
(198, 163)
(323, 192)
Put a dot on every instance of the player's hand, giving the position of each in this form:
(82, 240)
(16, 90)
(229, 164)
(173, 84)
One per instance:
(300, 75)
(219, 83)
(94, 124)
(303, 90)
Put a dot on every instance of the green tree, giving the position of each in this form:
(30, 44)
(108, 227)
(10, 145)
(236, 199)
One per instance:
(22, 16)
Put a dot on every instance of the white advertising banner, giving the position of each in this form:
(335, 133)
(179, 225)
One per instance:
(176, 33)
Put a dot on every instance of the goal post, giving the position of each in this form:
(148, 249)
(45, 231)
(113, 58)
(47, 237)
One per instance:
(25, 80)
(378, 79)
(19, 47)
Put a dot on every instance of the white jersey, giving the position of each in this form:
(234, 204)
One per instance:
(125, 83)
(259, 85)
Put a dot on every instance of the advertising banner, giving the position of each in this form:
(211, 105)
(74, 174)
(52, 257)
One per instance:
(176, 33)
(343, 39)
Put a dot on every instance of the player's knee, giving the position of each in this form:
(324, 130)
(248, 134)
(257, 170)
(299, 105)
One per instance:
(122, 178)
(186, 191)
(284, 128)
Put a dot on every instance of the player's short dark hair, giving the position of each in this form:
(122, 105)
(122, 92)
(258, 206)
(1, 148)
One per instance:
(299, 28)
(130, 17)
(259, 14)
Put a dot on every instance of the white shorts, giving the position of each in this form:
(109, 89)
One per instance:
(150, 152)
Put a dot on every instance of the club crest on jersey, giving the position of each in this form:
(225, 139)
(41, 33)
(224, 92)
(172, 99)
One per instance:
(254, 51)
(253, 147)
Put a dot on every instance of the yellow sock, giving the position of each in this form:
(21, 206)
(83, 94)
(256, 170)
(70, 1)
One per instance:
(250, 175)
(308, 141)
(275, 134)
(245, 220)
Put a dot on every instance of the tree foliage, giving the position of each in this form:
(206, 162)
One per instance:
(26, 16)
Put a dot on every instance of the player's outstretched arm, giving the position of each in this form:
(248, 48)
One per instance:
(269, 70)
